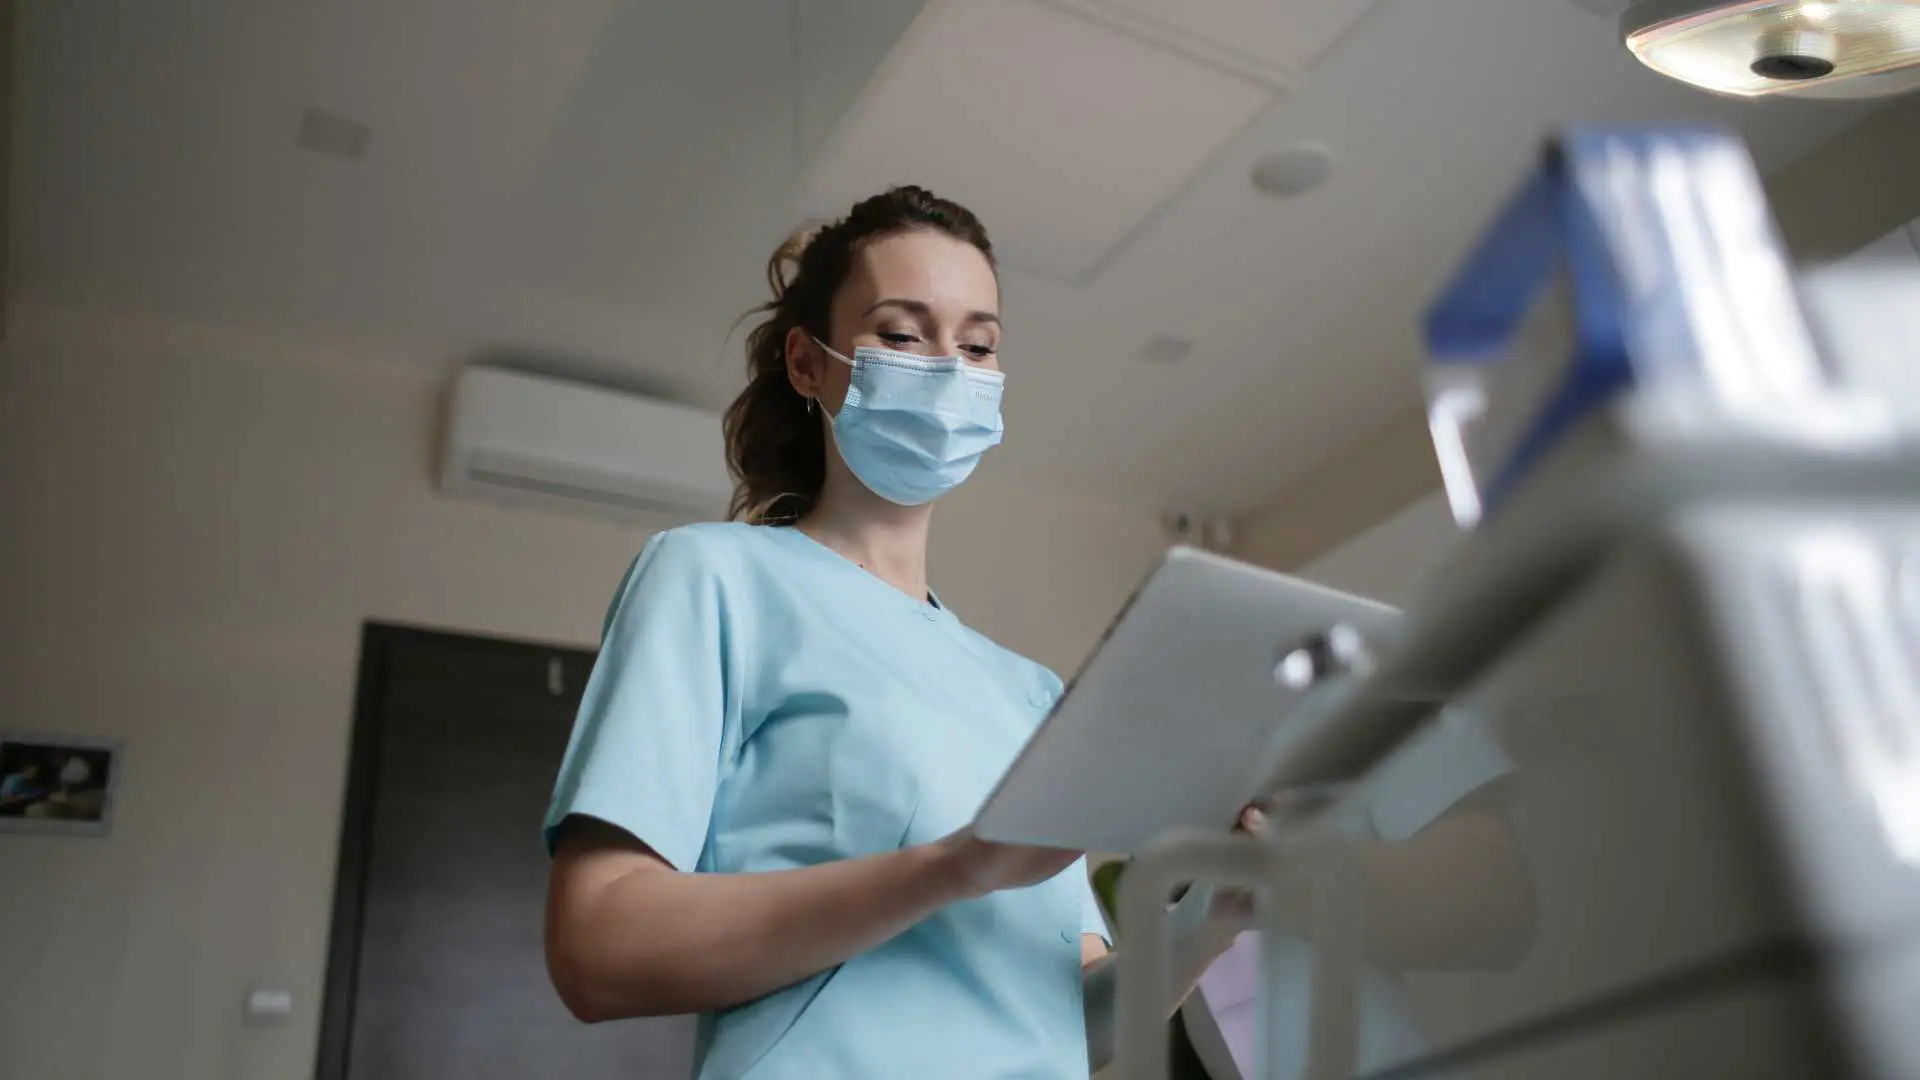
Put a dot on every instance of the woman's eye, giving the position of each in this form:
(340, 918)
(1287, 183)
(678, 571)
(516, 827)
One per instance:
(979, 352)
(897, 340)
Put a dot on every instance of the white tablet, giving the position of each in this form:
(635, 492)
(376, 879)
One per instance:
(1168, 724)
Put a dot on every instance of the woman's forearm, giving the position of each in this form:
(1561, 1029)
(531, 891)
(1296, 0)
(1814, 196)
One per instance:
(628, 935)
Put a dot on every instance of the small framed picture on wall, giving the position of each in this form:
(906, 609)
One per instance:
(57, 783)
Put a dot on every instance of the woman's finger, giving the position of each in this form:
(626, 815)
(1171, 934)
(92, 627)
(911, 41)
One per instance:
(1253, 821)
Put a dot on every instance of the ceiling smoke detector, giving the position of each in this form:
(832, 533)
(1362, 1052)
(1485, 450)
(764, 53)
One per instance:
(1798, 48)
(1295, 170)
(1167, 349)
(332, 135)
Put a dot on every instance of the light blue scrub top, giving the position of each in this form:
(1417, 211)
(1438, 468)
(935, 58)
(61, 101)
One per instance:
(761, 703)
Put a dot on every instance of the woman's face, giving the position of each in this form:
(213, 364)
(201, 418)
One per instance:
(918, 292)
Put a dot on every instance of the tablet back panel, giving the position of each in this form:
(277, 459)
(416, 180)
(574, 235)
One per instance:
(1167, 724)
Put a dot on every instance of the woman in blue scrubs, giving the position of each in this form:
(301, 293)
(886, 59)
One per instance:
(762, 814)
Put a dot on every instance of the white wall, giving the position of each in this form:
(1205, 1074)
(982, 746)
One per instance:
(1390, 561)
(193, 526)
(1353, 488)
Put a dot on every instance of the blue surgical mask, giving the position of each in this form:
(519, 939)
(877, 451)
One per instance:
(913, 427)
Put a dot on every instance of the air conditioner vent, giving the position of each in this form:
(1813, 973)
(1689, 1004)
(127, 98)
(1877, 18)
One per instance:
(518, 438)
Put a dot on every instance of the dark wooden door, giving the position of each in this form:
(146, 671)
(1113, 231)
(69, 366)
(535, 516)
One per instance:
(436, 968)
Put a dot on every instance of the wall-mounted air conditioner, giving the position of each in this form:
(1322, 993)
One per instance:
(512, 437)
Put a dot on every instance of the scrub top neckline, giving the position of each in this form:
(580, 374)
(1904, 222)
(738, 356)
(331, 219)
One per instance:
(929, 609)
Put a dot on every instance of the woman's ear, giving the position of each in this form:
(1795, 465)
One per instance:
(803, 363)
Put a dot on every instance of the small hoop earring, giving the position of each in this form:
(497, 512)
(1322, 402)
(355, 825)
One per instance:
(810, 404)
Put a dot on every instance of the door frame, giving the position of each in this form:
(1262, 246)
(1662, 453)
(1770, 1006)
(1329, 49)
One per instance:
(378, 643)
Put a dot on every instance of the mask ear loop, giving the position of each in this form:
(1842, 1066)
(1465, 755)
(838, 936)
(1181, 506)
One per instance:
(812, 399)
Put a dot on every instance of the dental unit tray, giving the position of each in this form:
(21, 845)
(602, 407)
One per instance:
(1634, 289)
(1689, 617)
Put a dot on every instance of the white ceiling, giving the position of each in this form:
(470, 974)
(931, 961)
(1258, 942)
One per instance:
(594, 185)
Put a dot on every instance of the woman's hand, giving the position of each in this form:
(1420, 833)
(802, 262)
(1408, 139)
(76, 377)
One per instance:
(980, 867)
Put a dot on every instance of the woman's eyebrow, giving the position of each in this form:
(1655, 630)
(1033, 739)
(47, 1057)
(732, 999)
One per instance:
(917, 307)
(920, 307)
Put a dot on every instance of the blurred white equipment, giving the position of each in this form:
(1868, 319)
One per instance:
(1714, 729)
(1865, 312)
(1693, 631)
(518, 438)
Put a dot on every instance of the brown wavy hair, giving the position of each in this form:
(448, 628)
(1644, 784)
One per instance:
(776, 448)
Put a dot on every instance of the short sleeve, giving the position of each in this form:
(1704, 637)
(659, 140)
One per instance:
(647, 743)
(1091, 920)
(1454, 758)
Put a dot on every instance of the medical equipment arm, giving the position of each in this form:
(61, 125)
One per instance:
(1454, 896)
(1199, 935)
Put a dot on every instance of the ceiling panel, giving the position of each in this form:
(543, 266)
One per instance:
(1275, 40)
(1062, 131)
